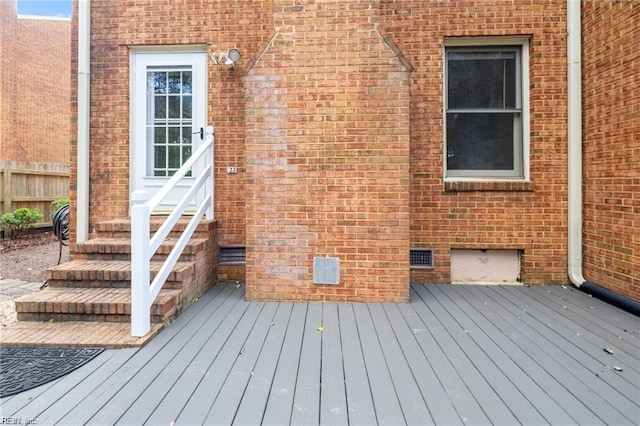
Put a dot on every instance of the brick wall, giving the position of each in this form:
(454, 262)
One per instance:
(353, 114)
(327, 156)
(35, 82)
(611, 119)
(8, 23)
(118, 24)
(530, 217)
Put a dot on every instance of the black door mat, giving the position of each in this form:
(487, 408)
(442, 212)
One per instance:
(24, 368)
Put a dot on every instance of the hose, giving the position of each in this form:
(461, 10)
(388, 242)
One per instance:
(61, 227)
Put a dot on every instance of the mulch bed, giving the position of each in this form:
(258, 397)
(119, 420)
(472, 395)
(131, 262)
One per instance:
(32, 239)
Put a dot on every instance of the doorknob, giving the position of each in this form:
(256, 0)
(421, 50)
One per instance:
(201, 132)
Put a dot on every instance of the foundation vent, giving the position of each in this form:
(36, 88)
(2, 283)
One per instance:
(232, 255)
(326, 270)
(421, 258)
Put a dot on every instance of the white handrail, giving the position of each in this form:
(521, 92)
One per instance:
(144, 245)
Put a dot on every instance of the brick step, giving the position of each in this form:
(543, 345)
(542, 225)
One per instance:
(121, 228)
(112, 274)
(111, 335)
(104, 248)
(90, 304)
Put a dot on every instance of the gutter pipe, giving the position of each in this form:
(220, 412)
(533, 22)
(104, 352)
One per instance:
(574, 206)
(84, 78)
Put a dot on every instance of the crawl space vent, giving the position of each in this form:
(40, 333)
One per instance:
(232, 255)
(326, 270)
(421, 258)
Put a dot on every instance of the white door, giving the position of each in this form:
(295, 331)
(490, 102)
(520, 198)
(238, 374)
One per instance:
(168, 118)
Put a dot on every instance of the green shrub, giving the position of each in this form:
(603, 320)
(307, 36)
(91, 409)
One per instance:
(59, 203)
(15, 224)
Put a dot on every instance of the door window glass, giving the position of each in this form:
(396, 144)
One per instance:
(169, 118)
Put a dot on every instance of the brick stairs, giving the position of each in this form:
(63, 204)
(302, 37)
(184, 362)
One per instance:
(94, 287)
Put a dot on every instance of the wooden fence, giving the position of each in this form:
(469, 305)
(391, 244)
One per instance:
(33, 186)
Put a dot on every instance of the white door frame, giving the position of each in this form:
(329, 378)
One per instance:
(140, 155)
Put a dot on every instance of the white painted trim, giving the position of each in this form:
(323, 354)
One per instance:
(574, 142)
(45, 18)
(84, 117)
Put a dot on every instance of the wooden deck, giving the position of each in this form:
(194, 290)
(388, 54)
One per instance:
(454, 355)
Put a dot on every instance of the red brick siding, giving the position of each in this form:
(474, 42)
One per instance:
(424, 212)
(35, 82)
(117, 24)
(328, 157)
(8, 24)
(611, 123)
(530, 217)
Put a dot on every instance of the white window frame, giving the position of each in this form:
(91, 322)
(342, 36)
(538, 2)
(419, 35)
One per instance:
(522, 42)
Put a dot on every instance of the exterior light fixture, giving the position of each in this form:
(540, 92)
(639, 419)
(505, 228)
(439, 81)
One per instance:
(229, 57)
(233, 55)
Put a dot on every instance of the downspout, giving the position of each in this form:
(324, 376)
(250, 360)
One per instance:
(574, 207)
(84, 67)
(574, 116)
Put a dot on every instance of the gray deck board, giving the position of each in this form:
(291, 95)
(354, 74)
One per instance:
(204, 395)
(157, 382)
(483, 353)
(530, 337)
(411, 400)
(359, 401)
(59, 403)
(602, 398)
(438, 403)
(225, 406)
(306, 401)
(589, 350)
(543, 388)
(333, 399)
(12, 405)
(66, 393)
(453, 355)
(102, 392)
(280, 401)
(489, 401)
(596, 311)
(254, 400)
(120, 396)
(385, 398)
(182, 389)
(598, 332)
(578, 358)
(442, 363)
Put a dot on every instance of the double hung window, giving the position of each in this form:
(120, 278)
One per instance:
(485, 105)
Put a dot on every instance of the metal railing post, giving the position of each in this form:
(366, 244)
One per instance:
(140, 257)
